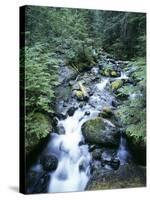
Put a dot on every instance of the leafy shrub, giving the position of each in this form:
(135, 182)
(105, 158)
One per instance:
(80, 55)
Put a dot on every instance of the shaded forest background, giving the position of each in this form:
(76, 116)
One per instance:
(74, 36)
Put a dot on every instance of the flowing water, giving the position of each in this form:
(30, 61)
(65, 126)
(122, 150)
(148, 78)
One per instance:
(73, 170)
(123, 152)
(123, 76)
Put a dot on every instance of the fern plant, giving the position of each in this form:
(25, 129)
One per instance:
(133, 110)
(40, 82)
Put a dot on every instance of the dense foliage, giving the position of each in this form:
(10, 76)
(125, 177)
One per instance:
(133, 110)
(40, 81)
(76, 36)
(120, 33)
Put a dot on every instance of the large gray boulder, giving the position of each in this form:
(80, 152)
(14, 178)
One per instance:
(65, 74)
(96, 131)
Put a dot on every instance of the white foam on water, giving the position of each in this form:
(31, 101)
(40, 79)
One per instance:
(100, 86)
(123, 76)
(72, 173)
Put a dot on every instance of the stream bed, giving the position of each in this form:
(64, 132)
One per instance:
(75, 160)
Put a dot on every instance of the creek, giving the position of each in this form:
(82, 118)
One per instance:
(74, 165)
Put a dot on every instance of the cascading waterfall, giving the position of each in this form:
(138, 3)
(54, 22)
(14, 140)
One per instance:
(73, 171)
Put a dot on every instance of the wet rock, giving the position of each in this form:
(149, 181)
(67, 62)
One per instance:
(127, 176)
(95, 70)
(82, 104)
(37, 182)
(49, 162)
(115, 163)
(63, 94)
(33, 177)
(42, 185)
(107, 155)
(66, 73)
(106, 112)
(115, 85)
(95, 165)
(55, 121)
(71, 83)
(109, 158)
(60, 116)
(92, 147)
(114, 103)
(76, 86)
(87, 113)
(81, 143)
(96, 154)
(112, 60)
(71, 111)
(97, 132)
(60, 129)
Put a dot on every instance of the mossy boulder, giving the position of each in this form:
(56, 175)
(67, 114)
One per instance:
(82, 93)
(38, 127)
(110, 71)
(127, 176)
(106, 72)
(96, 131)
(114, 73)
(115, 85)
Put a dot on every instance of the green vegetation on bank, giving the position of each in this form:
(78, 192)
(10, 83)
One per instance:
(40, 82)
(133, 110)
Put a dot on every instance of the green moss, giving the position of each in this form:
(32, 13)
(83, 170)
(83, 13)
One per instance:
(107, 72)
(116, 85)
(93, 130)
(96, 131)
(113, 73)
(95, 124)
(79, 94)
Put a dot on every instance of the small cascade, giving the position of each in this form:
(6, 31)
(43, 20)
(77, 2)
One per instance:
(102, 85)
(123, 153)
(123, 76)
(73, 171)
